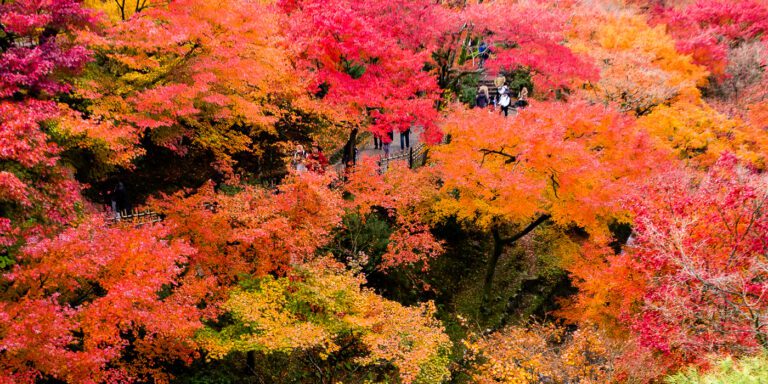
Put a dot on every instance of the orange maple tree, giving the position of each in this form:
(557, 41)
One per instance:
(255, 231)
(197, 75)
(564, 163)
(77, 305)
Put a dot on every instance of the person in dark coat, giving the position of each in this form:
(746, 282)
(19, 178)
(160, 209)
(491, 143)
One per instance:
(484, 52)
(482, 100)
(119, 199)
(405, 138)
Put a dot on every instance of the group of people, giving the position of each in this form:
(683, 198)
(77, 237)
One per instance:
(313, 161)
(504, 97)
(405, 141)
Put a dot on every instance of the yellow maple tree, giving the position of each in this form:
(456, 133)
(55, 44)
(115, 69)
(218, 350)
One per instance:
(318, 302)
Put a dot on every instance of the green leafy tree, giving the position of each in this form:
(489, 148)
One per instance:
(752, 370)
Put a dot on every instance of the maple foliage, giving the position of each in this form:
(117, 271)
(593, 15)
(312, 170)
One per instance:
(560, 160)
(695, 130)
(255, 231)
(32, 183)
(367, 58)
(707, 29)
(643, 72)
(647, 118)
(690, 284)
(109, 292)
(541, 352)
(38, 45)
(532, 40)
(405, 196)
(316, 304)
(198, 75)
(121, 9)
(640, 67)
(531, 43)
(556, 162)
(38, 53)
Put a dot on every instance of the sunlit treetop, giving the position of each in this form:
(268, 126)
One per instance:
(199, 75)
(568, 161)
(319, 303)
(368, 59)
(529, 36)
(640, 66)
(708, 29)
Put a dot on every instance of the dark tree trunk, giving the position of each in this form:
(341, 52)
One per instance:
(498, 249)
(250, 362)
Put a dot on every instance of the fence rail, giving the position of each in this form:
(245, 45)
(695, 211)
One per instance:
(135, 217)
(141, 217)
(416, 156)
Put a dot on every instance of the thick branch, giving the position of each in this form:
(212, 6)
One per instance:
(526, 230)
(510, 158)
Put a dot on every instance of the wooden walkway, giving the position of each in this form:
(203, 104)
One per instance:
(414, 154)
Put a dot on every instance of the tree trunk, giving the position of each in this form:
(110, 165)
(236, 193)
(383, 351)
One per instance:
(250, 362)
(498, 248)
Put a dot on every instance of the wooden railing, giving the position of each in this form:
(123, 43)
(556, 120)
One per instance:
(135, 217)
(415, 156)
(140, 217)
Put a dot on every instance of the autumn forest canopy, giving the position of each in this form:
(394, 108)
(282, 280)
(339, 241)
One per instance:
(383, 191)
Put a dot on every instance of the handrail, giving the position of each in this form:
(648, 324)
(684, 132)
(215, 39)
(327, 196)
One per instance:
(414, 155)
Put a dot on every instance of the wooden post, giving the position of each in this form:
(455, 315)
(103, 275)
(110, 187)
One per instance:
(410, 157)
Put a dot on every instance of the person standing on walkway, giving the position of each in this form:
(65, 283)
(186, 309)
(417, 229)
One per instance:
(522, 98)
(405, 138)
(119, 199)
(503, 89)
(377, 143)
(348, 154)
(299, 159)
(318, 161)
(482, 100)
(385, 145)
(499, 81)
(504, 102)
(484, 52)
